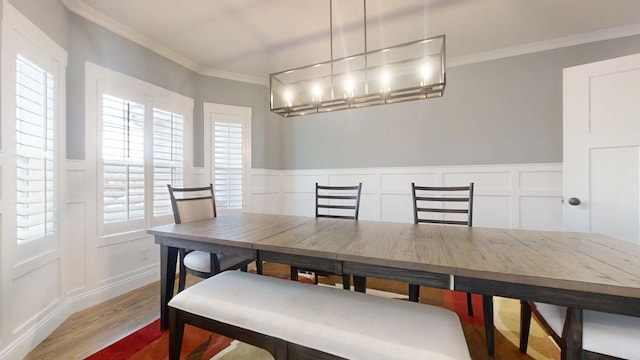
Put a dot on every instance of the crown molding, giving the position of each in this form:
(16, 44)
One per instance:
(87, 12)
(229, 75)
(608, 34)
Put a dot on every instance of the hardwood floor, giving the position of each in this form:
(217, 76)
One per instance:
(90, 330)
(97, 327)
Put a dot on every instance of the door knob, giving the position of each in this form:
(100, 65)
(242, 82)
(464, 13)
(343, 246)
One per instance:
(574, 201)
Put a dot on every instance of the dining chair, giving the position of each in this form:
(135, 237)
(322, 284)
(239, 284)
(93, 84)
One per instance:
(194, 204)
(450, 205)
(336, 202)
(435, 197)
(604, 336)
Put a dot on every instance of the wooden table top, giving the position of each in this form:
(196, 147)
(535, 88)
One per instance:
(574, 261)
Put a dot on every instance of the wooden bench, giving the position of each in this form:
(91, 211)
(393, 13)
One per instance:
(293, 320)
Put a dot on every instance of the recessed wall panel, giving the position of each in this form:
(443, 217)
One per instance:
(265, 182)
(368, 181)
(265, 203)
(492, 211)
(613, 111)
(301, 204)
(541, 213)
(302, 183)
(74, 238)
(32, 294)
(402, 182)
(396, 208)
(615, 195)
(541, 180)
(484, 180)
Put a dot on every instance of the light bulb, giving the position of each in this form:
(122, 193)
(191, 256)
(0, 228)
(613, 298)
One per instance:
(426, 75)
(317, 93)
(348, 88)
(385, 79)
(288, 98)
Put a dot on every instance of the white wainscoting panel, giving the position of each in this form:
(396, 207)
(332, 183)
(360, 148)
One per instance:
(526, 196)
(35, 294)
(74, 240)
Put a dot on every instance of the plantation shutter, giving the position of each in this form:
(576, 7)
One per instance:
(35, 174)
(123, 160)
(168, 158)
(228, 165)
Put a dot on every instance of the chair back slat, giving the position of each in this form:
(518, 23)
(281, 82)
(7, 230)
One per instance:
(460, 198)
(192, 204)
(342, 198)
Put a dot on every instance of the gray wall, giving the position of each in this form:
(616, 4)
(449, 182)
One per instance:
(496, 112)
(266, 148)
(86, 41)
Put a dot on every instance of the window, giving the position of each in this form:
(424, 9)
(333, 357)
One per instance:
(35, 152)
(140, 132)
(168, 158)
(227, 165)
(123, 159)
(228, 151)
(33, 138)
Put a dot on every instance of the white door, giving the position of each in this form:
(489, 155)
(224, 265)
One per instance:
(602, 148)
(228, 139)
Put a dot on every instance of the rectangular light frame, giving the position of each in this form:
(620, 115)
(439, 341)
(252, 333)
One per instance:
(411, 71)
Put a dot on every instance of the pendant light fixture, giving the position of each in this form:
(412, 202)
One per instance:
(405, 72)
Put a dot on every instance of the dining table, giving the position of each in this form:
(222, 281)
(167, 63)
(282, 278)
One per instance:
(582, 271)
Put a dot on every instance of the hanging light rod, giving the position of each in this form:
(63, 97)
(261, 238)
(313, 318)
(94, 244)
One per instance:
(405, 72)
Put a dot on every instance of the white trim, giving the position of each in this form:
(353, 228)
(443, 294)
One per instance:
(32, 318)
(550, 44)
(127, 32)
(246, 114)
(99, 80)
(507, 196)
(28, 340)
(87, 12)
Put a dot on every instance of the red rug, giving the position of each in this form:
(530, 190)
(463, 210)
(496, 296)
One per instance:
(149, 343)
(457, 302)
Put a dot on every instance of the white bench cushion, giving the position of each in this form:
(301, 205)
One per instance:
(339, 322)
(603, 333)
(201, 261)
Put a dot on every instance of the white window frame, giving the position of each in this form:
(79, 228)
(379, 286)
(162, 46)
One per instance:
(20, 36)
(99, 81)
(210, 110)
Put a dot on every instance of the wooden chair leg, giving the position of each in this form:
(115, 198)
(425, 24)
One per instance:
(346, 281)
(525, 325)
(259, 268)
(182, 277)
(469, 304)
(414, 292)
(176, 333)
(487, 309)
(294, 273)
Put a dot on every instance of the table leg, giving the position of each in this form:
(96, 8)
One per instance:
(168, 260)
(573, 333)
(360, 283)
(487, 309)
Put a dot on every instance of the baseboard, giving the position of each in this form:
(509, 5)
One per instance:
(31, 338)
(114, 289)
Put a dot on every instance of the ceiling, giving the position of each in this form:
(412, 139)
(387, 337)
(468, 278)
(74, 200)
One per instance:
(249, 39)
